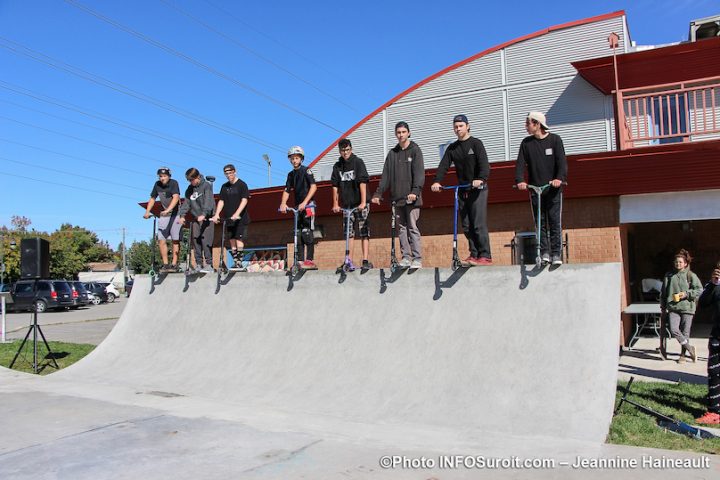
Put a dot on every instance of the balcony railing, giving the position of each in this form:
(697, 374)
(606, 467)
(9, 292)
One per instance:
(678, 112)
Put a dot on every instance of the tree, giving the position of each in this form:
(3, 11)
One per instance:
(20, 223)
(71, 248)
(139, 256)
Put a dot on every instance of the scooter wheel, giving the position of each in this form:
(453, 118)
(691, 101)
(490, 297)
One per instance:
(455, 265)
(538, 262)
(294, 270)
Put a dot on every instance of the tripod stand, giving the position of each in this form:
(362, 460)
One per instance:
(35, 329)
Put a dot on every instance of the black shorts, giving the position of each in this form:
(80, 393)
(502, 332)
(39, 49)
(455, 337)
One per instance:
(236, 229)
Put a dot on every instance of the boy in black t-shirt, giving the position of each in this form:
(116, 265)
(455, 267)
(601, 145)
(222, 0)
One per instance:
(472, 167)
(168, 229)
(349, 180)
(301, 180)
(544, 155)
(234, 196)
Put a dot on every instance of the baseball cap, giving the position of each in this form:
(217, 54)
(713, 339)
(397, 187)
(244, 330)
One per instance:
(460, 118)
(540, 118)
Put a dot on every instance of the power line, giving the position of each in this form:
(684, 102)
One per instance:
(198, 63)
(258, 55)
(74, 187)
(73, 173)
(121, 123)
(90, 142)
(19, 49)
(286, 47)
(109, 165)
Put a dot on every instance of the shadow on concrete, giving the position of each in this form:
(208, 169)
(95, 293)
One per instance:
(192, 278)
(525, 275)
(447, 283)
(223, 280)
(394, 276)
(667, 375)
(293, 278)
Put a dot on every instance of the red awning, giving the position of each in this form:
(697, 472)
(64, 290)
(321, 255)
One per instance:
(658, 66)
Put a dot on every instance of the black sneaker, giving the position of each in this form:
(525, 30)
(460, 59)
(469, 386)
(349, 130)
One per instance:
(366, 265)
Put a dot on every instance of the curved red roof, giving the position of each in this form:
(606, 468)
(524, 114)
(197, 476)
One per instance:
(459, 64)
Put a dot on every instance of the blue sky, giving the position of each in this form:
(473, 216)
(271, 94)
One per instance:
(255, 78)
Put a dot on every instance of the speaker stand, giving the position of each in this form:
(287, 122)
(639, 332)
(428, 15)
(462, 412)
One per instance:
(35, 329)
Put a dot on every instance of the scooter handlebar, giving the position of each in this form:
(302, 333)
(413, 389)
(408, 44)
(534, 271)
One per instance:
(451, 187)
(289, 209)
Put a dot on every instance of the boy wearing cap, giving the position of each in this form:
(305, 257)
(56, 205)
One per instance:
(200, 202)
(234, 196)
(544, 155)
(404, 175)
(168, 191)
(349, 181)
(468, 155)
(302, 181)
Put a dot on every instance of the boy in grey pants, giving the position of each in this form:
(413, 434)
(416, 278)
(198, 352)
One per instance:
(199, 201)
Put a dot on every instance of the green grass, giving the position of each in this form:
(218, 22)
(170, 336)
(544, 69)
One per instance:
(64, 353)
(682, 401)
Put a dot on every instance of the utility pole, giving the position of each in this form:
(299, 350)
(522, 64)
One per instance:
(124, 262)
(266, 157)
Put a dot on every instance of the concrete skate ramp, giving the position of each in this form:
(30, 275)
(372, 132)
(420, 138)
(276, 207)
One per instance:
(497, 349)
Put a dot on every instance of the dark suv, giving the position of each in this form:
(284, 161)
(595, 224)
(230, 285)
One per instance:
(98, 291)
(41, 294)
(81, 297)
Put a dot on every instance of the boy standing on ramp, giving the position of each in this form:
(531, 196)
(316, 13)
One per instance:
(302, 181)
(404, 175)
(234, 196)
(168, 229)
(473, 169)
(349, 181)
(199, 201)
(544, 154)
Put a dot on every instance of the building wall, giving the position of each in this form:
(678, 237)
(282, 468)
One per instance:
(496, 91)
(591, 225)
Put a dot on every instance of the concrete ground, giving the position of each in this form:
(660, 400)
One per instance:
(643, 360)
(65, 428)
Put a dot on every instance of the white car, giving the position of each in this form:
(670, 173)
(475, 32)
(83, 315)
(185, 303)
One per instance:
(110, 289)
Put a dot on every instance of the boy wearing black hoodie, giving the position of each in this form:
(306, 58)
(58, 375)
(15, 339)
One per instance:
(404, 174)
(349, 180)
(200, 202)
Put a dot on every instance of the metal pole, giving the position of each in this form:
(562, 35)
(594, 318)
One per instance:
(3, 306)
(124, 261)
(2, 264)
(266, 157)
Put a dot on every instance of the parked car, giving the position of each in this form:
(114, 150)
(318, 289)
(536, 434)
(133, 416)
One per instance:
(40, 295)
(81, 296)
(128, 287)
(5, 287)
(98, 291)
(111, 291)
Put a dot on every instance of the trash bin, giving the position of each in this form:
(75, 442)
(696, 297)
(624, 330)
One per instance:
(524, 248)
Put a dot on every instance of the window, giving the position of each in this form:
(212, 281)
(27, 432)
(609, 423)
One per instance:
(23, 288)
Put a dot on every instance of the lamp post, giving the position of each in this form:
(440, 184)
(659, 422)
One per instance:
(269, 162)
(2, 256)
